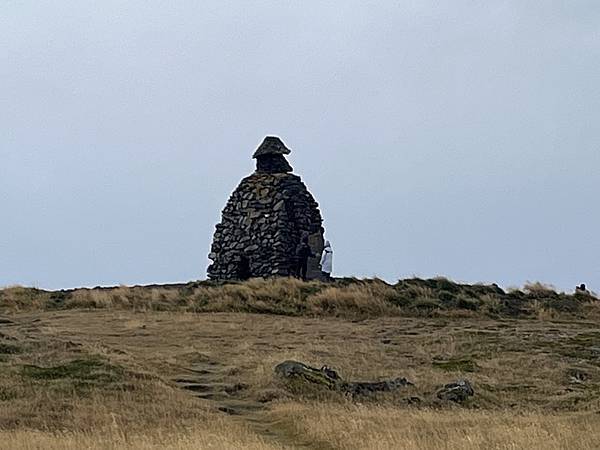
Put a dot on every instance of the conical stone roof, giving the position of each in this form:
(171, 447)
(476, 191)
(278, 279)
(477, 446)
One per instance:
(271, 145)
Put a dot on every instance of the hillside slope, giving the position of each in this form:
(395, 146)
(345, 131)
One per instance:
(127, 376)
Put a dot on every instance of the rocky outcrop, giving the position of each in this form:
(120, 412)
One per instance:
(264, 221)
(330, 379)
(457, 392)
(295, 372)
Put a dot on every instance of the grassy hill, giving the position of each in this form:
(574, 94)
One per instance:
(343, 298)
(191, 366)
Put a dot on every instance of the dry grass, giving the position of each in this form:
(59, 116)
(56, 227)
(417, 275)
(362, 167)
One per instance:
(103, 369)
(376, 427)
(214, 433)
(346, 428)
(538, 288)
(371, 299)
(348, 298)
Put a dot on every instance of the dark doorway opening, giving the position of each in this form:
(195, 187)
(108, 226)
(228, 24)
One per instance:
(244, 268)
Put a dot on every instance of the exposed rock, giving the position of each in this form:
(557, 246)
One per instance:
(577, 376)
(271, 145)
(264, 221)
(273, 164)
(458, 391)
(297, 370)
(269, 156)
(330, 379)
(364, 388)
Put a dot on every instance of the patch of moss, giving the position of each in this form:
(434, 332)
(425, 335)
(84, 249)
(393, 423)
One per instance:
(9, 349)
(80, 370)
(6, 395)
(457, 365)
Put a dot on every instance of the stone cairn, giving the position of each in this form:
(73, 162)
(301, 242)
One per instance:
(264, 220)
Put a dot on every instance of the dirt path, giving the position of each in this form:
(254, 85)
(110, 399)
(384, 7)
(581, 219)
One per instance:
(204, 380)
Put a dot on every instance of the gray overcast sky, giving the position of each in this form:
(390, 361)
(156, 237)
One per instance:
(457, 138)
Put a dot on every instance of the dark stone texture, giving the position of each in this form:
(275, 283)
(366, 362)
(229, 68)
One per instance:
(457, 392)
(367, 387)
(273, 164)
(271, 145)
(330, 379)
(264, 221)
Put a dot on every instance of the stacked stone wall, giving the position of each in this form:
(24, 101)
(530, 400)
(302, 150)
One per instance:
(262, 224)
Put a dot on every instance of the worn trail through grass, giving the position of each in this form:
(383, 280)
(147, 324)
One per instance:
(138, 372)
(207, 381)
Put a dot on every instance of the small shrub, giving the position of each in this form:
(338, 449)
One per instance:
(538, 289)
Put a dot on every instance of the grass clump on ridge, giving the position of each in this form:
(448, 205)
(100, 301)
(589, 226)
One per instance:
(347, 297)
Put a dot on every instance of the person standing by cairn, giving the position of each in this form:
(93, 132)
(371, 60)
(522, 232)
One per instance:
(303, 252)
(327, 260)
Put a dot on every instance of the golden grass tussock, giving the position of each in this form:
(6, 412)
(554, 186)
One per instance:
(361, 299)
(255, 295)
(119, 297)
(19, 297)
(538, 288)
(368, 427)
